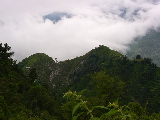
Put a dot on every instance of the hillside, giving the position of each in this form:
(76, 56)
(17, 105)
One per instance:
(132, 78)
(106, 85)
(43, 64)
(147, 46)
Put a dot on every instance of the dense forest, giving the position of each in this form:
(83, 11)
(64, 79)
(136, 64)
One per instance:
(100, 85)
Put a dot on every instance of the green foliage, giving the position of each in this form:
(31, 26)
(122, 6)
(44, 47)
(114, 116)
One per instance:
(4, 110)
(38, 98)
(132, 111)
(114, 112)
(139, 76)
(40, 69)
(33, 75)
(33, 59)
(117, 77)
(20, 97)
(108, 84)
(138, 57)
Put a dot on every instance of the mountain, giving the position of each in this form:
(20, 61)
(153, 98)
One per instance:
(71, 71)
(59, 77)
(43, 64)
(131, 80)
(147, 46)
(106, 84)
(65, 73)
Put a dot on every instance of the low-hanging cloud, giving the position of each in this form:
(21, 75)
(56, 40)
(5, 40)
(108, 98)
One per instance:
(111, 23)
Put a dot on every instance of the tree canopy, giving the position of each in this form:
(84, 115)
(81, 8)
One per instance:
(106, 85)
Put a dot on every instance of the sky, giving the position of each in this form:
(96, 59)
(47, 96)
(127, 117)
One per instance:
(113, 23)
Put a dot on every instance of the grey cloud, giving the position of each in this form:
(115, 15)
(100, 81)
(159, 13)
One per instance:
(57, 16)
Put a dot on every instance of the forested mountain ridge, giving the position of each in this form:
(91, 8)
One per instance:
(73, 74)
(114, 86)
(66, 73)
(147, 46)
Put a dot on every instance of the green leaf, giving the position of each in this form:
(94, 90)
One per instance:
(83, 91)
(103, 107)
(128, 115)
(75, 108)
(110, 113)
(75, 117)
(94, 119)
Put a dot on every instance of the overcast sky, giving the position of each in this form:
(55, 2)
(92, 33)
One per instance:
(113, 23)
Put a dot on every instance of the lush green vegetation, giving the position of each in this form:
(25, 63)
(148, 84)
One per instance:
(21, 97)
(108, 86)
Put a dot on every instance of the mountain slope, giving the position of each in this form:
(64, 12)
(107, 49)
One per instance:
(71, 71)
(59, 75)
(102, 74)
(43, 64)
(105, 75)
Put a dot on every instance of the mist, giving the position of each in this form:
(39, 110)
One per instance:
(91, 23)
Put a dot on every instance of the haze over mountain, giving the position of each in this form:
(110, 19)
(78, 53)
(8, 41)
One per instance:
(78, 26)
(147, 46)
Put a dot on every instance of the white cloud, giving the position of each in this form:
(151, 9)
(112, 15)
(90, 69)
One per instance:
(93, 23)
